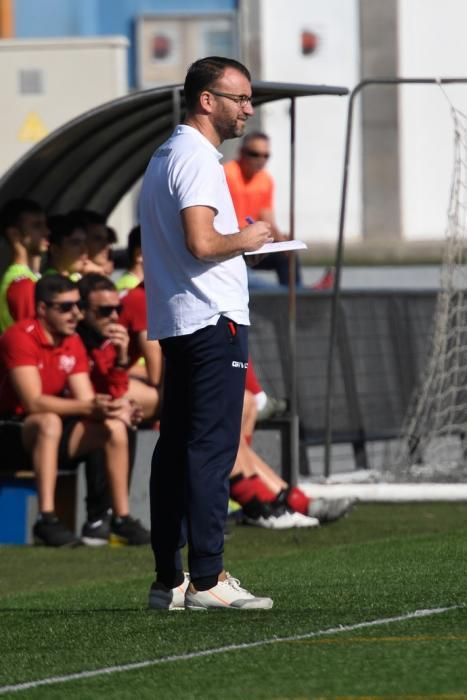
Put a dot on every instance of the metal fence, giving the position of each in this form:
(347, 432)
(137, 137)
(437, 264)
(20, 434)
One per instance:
(381, 344)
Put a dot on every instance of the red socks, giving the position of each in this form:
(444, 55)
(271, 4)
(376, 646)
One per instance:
(298, 501)
(252, 382)
(243, 490)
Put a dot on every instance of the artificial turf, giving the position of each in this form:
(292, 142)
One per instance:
(63, 612)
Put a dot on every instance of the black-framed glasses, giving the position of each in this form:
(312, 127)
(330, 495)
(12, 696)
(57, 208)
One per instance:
(242, 100)
(256, 154)
(106, 310)
(64, 307)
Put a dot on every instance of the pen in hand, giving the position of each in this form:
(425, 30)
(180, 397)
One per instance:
(249, 220)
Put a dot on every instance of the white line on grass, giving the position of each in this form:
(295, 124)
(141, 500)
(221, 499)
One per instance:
(220, 650)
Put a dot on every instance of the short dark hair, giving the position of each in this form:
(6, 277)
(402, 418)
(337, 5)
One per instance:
(51, 285)
(13, 210)
(94, 283)
(202, 74)
(134, 242)
(61, 226)
(88, 217)
(111, 235)
(252, 136)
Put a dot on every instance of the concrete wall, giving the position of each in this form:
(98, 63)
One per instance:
(431, 44)
(401, 155)
(320, 120)
(379, 121)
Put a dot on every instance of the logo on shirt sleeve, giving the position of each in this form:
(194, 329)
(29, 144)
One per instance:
(66, 363)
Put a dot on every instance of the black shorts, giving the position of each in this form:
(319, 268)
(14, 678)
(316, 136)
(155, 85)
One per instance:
(13, 456)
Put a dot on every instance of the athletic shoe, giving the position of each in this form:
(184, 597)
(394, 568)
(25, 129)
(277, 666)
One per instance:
(129, 531)
(161, 598)
(49, 531)
(226, 594)
(271, 522)
(274, 516)
(272, 407)
(300, 520)
(265, 514)
(329, 509)
(296, 518)
(96, 533)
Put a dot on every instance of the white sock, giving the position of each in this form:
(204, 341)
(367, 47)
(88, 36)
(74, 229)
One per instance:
(261, 400)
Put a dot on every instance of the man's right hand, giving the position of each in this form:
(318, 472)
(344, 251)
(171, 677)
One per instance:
(103, 406)
(255, 235)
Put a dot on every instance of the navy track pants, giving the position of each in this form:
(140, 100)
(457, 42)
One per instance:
(204, 385)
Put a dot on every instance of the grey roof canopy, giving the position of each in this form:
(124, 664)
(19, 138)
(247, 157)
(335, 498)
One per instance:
(93, 160)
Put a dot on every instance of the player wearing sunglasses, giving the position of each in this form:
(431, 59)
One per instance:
(52, 417)
(107, 344)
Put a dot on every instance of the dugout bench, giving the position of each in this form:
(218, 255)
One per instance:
(382, 344)
(18, 504)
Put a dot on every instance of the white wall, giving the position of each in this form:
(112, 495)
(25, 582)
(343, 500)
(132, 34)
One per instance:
(432, 43)
(320, 120)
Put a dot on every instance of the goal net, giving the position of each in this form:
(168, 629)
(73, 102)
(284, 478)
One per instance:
(433, 444)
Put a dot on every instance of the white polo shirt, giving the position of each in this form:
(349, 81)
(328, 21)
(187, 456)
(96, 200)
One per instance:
(183, 293)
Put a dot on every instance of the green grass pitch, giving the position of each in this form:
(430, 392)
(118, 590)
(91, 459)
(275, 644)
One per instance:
(65, 612)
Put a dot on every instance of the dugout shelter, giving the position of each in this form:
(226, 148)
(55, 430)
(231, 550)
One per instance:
(95, 159)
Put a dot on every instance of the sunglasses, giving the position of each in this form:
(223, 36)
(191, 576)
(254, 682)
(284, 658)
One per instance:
(64, 307)
(256, 154)
(105, 311)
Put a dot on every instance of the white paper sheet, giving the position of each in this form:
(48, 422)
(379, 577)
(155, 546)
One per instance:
(278, 247)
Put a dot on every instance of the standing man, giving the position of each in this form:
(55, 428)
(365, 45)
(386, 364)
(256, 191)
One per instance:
(252, 191)
(196, 286)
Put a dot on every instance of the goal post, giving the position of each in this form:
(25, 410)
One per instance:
(433, 443)
(432, 447)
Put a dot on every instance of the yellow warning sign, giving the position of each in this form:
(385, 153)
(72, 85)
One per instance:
(33, 129)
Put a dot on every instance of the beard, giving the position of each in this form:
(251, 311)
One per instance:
(229, 127)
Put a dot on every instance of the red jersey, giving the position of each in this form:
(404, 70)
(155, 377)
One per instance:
(106, 377)
(249, 197)
(20, 298)
(24, 344)
(134, 318)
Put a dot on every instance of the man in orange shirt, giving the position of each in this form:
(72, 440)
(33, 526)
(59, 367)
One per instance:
(252, 191)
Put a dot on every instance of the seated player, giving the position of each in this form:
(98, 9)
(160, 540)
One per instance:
(267, 406)
(99, 239)
(67, 252)
(106, 341)
(133, 317)
(52, 414)
(23, 225)
(266, 499)
(145, 356)
(134, 275)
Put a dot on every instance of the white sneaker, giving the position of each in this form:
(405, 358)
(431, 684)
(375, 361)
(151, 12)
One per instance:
(284, 521)
(173, 599)
(301, 520)
(329, 509)
(226, 594)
